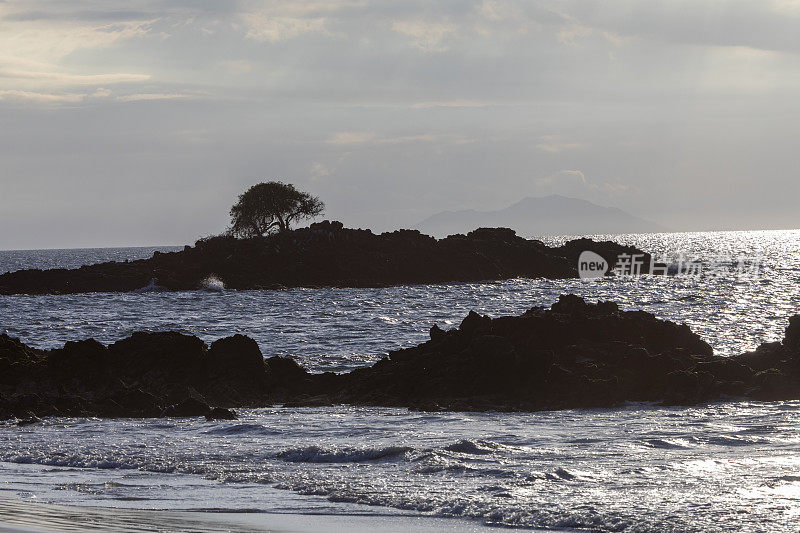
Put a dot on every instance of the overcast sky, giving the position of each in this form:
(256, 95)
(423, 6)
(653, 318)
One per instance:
(139, 123)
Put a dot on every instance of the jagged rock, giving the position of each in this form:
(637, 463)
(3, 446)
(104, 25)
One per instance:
(474, 322)
(574, 355)
(792, 338)
(436, 332)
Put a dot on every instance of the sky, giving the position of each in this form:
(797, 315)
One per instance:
(139, 123)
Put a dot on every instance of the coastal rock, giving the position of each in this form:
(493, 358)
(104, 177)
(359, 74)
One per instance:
(324, 254)
(188, 407)
(237, 358)
(162, 361)
(220, 413)
(792, 338)
(575, 354)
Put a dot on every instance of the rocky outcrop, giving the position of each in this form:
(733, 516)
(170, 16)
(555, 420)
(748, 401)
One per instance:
(572, 355)
(324, 254)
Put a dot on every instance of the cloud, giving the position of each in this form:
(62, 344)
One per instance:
(767, 24)
(100, 93)
(263, 27)
(153, 96)
(574, 183)
(318, 170)
(563, 175)
(36, 47)
(51, 40)
(352, 138)
(409, 138)
(556, 143)
(425, 35)
(285, 20)
(41, 77)
(236, 66)
(83, 15)
(45, 98)
(349, 137)
(451, 103)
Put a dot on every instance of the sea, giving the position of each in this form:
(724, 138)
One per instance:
(638, 467)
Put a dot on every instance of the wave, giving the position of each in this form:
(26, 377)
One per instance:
(723, 440)
(317, 454)
(150, 287)
(241, 429)
(787, 479)
(73, 461)
(479, 447)
(668, 444)
(212, 284)
(559, 474)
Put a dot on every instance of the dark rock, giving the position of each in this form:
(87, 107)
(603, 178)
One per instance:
(219, 413)
(571, 305)
(475, 323)
(237, 358)
(28, 421)
(573, 355)
(792, 338)
(188, 407)
(436, 332)
(161, 360)
(139, 403)
(324, 254)
(284, 369)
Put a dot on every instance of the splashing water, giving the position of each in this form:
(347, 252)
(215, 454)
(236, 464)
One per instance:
(213, 284)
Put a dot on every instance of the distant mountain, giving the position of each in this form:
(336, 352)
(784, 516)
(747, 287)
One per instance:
(547, 215)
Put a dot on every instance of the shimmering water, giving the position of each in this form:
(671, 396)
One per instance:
(640, 468)
(11, 260)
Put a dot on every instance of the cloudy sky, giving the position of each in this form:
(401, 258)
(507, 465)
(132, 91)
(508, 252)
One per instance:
(139, 122)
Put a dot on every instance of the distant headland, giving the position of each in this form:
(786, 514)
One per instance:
(325, 254)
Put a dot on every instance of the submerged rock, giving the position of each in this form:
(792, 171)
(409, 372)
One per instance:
(324, 254)
(573, 355)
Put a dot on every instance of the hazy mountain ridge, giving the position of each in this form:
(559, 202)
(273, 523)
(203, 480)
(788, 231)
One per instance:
(546, 215)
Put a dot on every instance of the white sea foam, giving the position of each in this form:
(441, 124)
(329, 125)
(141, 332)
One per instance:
(213, 284)
(559, 470)
(150, 287)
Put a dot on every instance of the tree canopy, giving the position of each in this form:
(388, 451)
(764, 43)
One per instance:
(271, 206)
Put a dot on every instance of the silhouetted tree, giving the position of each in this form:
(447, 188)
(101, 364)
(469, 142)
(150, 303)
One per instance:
(272, 205)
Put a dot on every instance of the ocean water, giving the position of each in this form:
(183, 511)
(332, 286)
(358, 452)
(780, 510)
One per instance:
(11, 260)
(726, 467)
